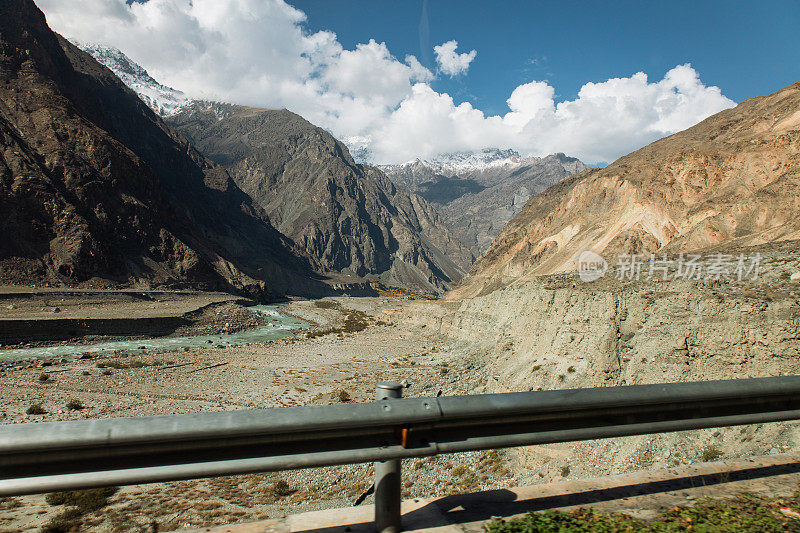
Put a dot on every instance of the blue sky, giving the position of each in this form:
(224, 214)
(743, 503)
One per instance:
(595, 80)
(745, 48)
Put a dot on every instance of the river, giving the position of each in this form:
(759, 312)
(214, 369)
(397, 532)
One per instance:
(281, 326)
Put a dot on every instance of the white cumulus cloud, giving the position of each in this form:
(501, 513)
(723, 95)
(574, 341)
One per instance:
(260, 53)
(451, 62)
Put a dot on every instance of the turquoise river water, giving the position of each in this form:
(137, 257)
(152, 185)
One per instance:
(281, 326)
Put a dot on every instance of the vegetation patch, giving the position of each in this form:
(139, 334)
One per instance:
(354, 321)
(36, 409)
(78, 503)
(86, 500)
(711, 453)
(74, 405)
(746, 514)
(327, 304)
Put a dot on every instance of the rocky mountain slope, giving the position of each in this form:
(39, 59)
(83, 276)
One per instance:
(350, 218)
(93, 185)
(163, 100)
(477, 193)
(732, 180)
(555, 332)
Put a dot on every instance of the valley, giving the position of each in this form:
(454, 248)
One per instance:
(166, 252)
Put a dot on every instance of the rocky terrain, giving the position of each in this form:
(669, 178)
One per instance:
(729, 181)
(477, 193)
(163, 100)
(93, 185)
(725, 189)
(557, 332)
(349, 218)
(309, 369)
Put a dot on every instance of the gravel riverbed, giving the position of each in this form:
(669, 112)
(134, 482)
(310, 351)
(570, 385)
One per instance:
(294, 371)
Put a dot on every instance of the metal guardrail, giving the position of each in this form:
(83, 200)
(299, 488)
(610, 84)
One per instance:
(45, 457)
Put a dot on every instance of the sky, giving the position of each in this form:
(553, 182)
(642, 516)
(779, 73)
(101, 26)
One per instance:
(414, 78)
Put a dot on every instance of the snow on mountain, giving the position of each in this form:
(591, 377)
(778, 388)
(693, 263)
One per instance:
(467, 161)
(163, 100)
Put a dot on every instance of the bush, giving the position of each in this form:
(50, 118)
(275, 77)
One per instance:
(711, 453)
(64, 522)
(36, 409)
(44, 377)
(74, 405)
(106, 372)
(86, 500)
(460, 470)
(746, 514)
(282, 489)
(344, 396)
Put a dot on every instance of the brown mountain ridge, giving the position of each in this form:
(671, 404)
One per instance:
(350, 218)
(732, 180)
(93, 185)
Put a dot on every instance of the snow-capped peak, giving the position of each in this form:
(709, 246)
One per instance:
(458, 162)
(162, 99)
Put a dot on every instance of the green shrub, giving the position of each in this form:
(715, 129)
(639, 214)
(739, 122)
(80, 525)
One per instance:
(344, 396)
(64, 522)
(36, 409)
(85, 501)
(745, 514)
(74, 405)
(710, 453)
(281, 488)
(354, 322)
(460, 470)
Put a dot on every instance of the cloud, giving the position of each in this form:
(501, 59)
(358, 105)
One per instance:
(605, 121)
(259, 52)
(451, 62)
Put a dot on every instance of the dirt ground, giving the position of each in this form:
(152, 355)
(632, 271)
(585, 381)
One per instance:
(20, 303)
(296, 371)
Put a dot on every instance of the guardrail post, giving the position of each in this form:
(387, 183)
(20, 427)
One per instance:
(387, 476)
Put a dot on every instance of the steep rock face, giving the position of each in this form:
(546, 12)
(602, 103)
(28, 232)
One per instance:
(351, 219)
(552, 333)
(163, 100)
(730, 181)
(478, 193)
(94, 185)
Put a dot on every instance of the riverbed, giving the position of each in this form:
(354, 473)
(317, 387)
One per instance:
(279, 326)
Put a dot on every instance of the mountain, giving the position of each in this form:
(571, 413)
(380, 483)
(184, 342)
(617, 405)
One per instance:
(350, 218)
(477, 193)
(163, 100)
(729, 182)
(94, 186)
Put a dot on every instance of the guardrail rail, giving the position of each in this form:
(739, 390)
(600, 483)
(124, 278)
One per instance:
(52, 456)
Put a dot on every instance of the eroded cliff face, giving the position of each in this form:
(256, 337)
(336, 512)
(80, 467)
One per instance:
(477, 201)
(95, 188)
(350, 218)
(556, 332)
(732, 180)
